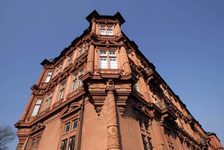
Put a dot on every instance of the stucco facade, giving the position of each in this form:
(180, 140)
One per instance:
(101, 93)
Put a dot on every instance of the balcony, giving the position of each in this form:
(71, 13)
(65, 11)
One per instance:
(167, 110)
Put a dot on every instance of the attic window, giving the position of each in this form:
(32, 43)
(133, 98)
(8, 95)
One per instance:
(106, 30)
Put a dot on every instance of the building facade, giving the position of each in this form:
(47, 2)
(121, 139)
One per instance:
(101, 93)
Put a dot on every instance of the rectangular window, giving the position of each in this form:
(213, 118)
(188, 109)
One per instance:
(74, 83)
(103, 30)
(67, 127)
(48, 77)
(113, 63)
(48, 102)
(108, 59)
(71, 143)
(83, 48)
(37, 107)
(69, 60)
(61, 92)
(75, 124)
(81, 72)
(103, 63)
(106, 30)
(109, 31)
(63, 144)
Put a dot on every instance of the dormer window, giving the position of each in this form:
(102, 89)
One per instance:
(108, 59)
(48, 77)
(106, 30)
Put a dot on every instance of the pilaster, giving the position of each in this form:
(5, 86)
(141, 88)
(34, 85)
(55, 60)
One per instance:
(90, 59)
(125, 63)
(112, 123)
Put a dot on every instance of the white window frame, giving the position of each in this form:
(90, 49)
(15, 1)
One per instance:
(36, 107)
(108, 59)
(48, 77)
(106, 30)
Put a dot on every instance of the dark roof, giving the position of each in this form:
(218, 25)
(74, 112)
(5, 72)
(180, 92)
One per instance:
(95, 14)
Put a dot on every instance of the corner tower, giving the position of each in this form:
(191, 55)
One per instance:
(101, 93)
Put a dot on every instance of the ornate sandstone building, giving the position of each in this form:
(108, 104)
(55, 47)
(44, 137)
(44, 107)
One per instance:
(101, 93)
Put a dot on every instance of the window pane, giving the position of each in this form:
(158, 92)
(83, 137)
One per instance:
(64, 144)
(75, 123)
(35, 110)
(74, 86)
(39, 101)
(71, 143)
(48, 102)
(61, 93)
(103, 63)
(48, 77)
(69, 61)
(80, 83)
(102, 32)
(112, 53)
(113, 63)
(109, 32)
(67, 127)
(103, 53)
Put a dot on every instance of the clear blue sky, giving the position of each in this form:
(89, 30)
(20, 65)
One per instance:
(183, 39)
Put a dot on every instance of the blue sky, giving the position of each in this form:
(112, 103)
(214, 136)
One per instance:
(183, 39)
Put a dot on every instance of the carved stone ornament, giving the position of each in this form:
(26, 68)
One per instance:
(113, 141)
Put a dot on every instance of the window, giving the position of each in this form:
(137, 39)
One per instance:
(69, 60)
(48, 101)
(57, 70)
(106, 30)
(75, 124)
(69, 133)
(76, 81)
(67, 127)
(71, 143)
(37, 107)
(83, 48)
(108, 59)
(109, 31)
(63, 144)
(146, 140)
(48, 77)
(61, 92)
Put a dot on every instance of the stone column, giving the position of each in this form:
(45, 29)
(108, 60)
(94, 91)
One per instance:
(124, 61)
(90, 59)
(112, 123)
